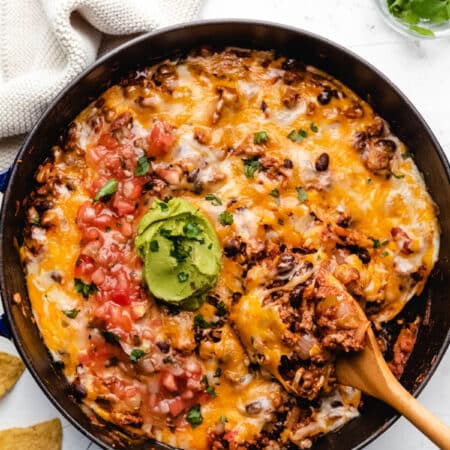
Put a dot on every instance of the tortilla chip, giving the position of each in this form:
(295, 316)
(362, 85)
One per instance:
(11, 368)
(43, 436)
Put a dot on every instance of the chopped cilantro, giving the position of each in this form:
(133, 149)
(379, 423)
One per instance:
(71, 313)
(297, 135)
(280, 222)
(194, 416)
(213, 199)
(84, 289)
(108, 189)
(251, 166)
(261, 137)
(399, 177)
(275, 193)
(301, 194)
(376, 242)
(217, 373)
(142, 166)
(223, 419)
(199, 321)
(136, 354)
(36, 220)
(191, 229)
(314, 128)
(182, 277)
(384, 254)
(211, 390)
(221, 309)
(154, 246)
(226, 218)
(384, 243)
(163, 206)
(110, 337)
(369, 180)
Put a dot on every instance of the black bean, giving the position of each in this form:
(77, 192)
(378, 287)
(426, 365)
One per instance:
(163, 346)
(78, 390)
(288, 164)
(326, 95)
(363, 255)
(322, 162)
(193, 175)
(253, 408)
(263, 106)
(296, 296)
(292, 64)
(386, 144)
(336, 404)
(232, 247)
(285, 264)
(236, 296)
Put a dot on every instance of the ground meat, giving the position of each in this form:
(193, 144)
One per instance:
(403, 348)
(290, 97)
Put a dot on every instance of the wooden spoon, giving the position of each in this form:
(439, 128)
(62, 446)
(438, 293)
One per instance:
(367, 371)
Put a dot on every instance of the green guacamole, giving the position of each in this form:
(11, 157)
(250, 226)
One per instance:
(181, 253)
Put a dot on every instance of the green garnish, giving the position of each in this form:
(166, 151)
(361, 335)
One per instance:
(217, 373)
(182, 277)
(71, 313)
(251, 166)
(213, 199)
(411, 12)
(163, 206)
(191, 230)
(142, 166)
(297, 135)
(369, 180)
(108, 189)
(223, 419)
(301, 194)
(399, 177)
(194, 416)
(376, 243)
(110, 337)
(84, 289)
(261, 137)
(221, 309)
(136, 354)
(226, 218)
(36, 220)
(208, 388)
(384, 254)
(199, 321)
(275, 193)
(314, 128)
(154, 246)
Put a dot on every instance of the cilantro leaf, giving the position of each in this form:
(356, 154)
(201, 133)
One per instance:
(213, 199)
(142, 166)
(182, 277)
(199, 321)
(194, 416)
(226, 218)
(36, 220)
(110, 337)
(261, 137)
(314, 127)
(108, 189)
(297, 135)
(251, 166)
(84, 289)
(136, 354)
(154, 246)
(71, 313)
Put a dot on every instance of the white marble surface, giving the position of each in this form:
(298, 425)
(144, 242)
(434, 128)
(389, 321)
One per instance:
(420, 68)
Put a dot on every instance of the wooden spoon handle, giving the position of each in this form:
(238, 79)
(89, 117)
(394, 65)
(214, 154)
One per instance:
(400, 399)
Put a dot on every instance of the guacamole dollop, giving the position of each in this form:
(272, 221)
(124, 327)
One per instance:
(181, 252)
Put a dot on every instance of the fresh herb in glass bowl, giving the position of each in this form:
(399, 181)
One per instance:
(420, 18)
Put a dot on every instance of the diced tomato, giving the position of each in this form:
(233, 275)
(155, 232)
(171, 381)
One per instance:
(84, 267)
(123, 206)
(108, 141)
(160, 139)
(176, 406)
(121, 297)
(132, 189)
(169, 382)
(230, 435)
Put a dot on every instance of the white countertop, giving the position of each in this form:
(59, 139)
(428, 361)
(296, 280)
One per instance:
(421, 69)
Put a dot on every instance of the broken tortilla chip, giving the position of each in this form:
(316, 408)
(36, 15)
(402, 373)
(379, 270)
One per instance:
(11, 367)
(42, 436)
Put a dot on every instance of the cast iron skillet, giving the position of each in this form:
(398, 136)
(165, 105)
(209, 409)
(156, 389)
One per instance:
(364, 79)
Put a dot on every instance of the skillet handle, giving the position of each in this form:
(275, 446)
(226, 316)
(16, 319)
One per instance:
(4, 178)
(5, 330)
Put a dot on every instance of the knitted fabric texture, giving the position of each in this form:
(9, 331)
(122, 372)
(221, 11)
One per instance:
(45, 43)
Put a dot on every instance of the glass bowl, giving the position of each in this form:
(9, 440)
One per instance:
(441, 30)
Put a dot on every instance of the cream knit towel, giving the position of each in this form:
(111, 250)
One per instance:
(46, 43)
